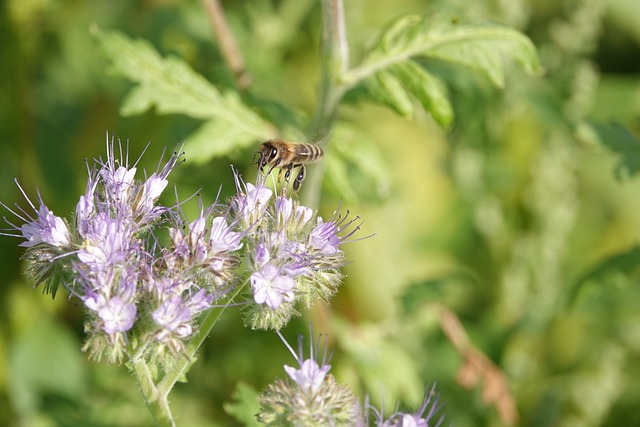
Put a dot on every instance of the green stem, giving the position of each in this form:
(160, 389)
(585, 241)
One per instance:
(156, 396)
(181, 368)
(334, 65)
(156, 400)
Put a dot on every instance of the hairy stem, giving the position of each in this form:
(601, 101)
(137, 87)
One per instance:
(334, 64)
(211, 318)
(156, 395)
(156, 401)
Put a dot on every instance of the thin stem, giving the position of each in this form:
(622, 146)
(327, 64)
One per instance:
(157, 402)
(334, 64)
(182, 366)
(228, 47)
(156, 396)
(334, 58)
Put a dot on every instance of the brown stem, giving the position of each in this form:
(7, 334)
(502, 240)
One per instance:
(228, 47)
(478, 368)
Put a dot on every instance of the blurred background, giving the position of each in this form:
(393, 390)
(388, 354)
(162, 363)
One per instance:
(521, 220)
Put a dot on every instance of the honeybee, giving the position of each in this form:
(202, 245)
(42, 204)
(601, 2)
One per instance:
(287, 155)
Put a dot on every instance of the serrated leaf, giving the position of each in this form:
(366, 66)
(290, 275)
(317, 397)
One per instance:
(387, 89)
(172, 87)
(401, 83)
(428, 89)
(621, 141)
(482, 47)
(216, 138)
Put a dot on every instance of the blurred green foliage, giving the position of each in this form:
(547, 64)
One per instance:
(522, 217)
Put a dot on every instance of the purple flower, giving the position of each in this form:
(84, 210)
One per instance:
(196, 241)
(222, 239)
(324, 237)
(45, 228)
(420, 418)
(174, 317)
(311, 373)
(309, 376)
(261, 255)
(117, 315)
(311, 397)
(119, 182)
(249, 205)
(202, 246)
(271, 287)
(149, 194)
(199, 302)
(290, 214)
(48, 228)
(106, 242)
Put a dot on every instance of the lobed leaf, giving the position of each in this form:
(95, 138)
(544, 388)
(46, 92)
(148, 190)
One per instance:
(402, 83)
(172, 87)
(482, 47)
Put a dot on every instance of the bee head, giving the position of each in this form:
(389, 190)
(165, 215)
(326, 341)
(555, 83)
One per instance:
(268, 153)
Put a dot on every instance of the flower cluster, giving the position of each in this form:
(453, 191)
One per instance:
(146, 274)
(313, 397)
(310, 397)
(294, 257)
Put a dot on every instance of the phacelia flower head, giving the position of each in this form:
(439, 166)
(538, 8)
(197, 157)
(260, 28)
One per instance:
(311, 396)
(140, 295)
(294, 260)
(145, 273)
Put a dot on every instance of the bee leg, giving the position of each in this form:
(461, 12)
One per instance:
(287, 176)
(299, 178)
(259, 161)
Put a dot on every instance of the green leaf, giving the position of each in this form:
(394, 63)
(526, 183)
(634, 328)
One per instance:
(245, 405)
(402, 83)
(481, 47)
(622, 264)
(355, 168)
(171, 87)
(621, 141)
(387, 89)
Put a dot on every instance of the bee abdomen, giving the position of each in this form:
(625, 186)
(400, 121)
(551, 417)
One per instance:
(311, 151)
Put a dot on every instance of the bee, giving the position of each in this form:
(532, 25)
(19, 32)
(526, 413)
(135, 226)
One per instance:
(286, 155)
